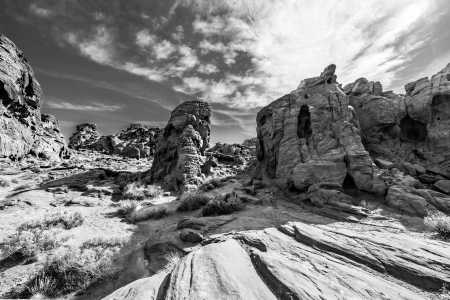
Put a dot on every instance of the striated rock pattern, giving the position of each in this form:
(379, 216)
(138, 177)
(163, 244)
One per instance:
(312, 135)
(414, 127)
(23, 130)
(180, 152)
(136, 141)
(300, 261)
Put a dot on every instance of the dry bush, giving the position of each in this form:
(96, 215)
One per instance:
(213, 184)
(137, 191)
(193, 201)
(222, 206)
(60, 219)
(127, 207)
(439, 223)
(71, 269)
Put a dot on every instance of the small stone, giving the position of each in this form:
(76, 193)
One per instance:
(443, 186)
(384, 164)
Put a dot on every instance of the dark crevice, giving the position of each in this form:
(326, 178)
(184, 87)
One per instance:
(280, 290)
(162, 291)
(304, 123)
(412, 130)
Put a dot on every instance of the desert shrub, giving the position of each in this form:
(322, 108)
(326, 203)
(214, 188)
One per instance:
(222, 206)
(71, 269)
(64, 219)
(193, 201)
(126, 207)
(439, 223)
(28, 243)
(137, 191)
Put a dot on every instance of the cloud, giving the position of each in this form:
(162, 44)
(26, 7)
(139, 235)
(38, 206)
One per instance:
(78, 107)
(40, 11)
(208, 69)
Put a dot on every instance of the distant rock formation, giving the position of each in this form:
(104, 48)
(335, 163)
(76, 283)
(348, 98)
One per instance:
(23, 130)
(414, 127)
(312, 135)
(180, 152)
(135, 141)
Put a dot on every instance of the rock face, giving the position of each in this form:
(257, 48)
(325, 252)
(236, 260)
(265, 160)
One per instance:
(300, 261)
(136, 141)
(414, 127)
(180, 152)
(23, 130)
(312, 135)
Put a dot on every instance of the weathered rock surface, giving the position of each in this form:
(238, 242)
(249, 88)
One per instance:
(180, 152)
(23, 130)
(414, 127)
(300, 261)
(135, 141)
(311, 135)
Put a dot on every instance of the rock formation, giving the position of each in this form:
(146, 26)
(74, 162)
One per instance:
(180, 152)
(300, 261)
(135, 141)
(414, 127)
(23, 130)
(312, 135)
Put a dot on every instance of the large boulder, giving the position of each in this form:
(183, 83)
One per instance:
(23, 130)
(180, 152)
(312, 135)
(301, 261)
(85, 136)
(414, 127)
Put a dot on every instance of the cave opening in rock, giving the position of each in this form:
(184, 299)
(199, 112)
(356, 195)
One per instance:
(440, 108)
(349, 183)
(4, 96)
(412, 130)
(304, 123)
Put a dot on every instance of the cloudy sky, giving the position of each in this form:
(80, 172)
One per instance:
(114, 62)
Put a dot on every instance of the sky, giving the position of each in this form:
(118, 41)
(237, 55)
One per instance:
(115, 62)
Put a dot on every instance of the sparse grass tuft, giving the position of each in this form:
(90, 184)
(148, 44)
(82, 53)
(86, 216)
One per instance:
(64, 219)
(226, 205)
(127, 207)
(439, 223)
(193, 201)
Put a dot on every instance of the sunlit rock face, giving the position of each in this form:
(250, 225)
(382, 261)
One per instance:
(23, 130)
(413, 127)
(180, 152)
(311, 135)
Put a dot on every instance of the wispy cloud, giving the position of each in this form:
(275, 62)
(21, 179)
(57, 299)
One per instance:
(80, 107)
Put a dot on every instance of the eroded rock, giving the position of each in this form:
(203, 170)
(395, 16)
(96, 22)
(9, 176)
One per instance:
(311, 135)
(180, 152)
(23, 130)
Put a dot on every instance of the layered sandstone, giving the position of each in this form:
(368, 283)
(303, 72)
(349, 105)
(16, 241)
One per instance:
(23, 130)
(311, 135)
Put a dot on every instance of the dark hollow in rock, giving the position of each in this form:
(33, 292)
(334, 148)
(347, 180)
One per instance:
(412, 130)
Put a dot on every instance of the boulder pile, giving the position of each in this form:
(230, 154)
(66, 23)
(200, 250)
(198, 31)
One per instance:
(135, 141)
(24, 130)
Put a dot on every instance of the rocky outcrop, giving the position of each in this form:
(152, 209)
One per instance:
(23, 130)
(180, 152)
(135, 141)
(85, 136)
(231, 153)
(300, 261)
(312, 135)
(414, 127)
